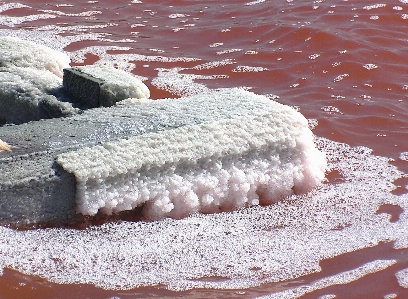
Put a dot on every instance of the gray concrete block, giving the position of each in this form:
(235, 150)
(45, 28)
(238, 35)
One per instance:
(82, 88)
(95, 86)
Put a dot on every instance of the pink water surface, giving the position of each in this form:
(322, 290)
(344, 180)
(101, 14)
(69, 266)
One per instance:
(343, 63)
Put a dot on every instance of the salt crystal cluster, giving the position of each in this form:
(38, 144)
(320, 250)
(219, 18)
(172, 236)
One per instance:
(246, 160)
(15, 52)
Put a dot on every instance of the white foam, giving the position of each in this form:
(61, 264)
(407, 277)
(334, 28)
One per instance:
(246, 69)
(123, 61)
(404, 156)
(81, 14)
(13, 21)
(210, 167)
(178, 84)
(8, 6)
(402, 277)
(341, 278)
(48, 36)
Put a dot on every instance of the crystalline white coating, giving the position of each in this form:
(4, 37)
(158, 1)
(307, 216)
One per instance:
(209, 167)
(117, 81)
(341, 278)
(21, 90)
(402, 277)
(20, 53)
(285, 240)
(29, 76)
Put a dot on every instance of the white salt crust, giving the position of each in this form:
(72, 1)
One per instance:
(282, 241)
(16, 52)
(29, 78)
(210, 167)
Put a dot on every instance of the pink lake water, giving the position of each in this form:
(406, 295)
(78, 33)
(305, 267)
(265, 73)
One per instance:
(342, 64)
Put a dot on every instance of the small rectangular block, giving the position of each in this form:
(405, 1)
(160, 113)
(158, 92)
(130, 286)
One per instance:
(82, 88)
(101, 86)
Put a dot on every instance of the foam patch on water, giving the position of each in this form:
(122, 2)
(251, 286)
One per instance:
(178, 84)
(222, 165)
(122, 61)
(402, 277)
(341, 278)
(281, 241)
(47, 36)
(13, 21)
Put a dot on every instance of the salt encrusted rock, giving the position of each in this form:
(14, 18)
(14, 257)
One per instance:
(211, 152)
(31, 87)
(30, 83)
(96, 85)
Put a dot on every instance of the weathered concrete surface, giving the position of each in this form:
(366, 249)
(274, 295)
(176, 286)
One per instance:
(94, 86)
(34, 189)
(82, 87)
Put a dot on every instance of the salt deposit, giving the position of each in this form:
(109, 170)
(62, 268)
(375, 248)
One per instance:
(218, 151)
(27, 94)
(222, 165)
(284, 240)
(30, 82)
(20, 53)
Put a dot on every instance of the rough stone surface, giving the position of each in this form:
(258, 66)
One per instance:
(95, 86)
